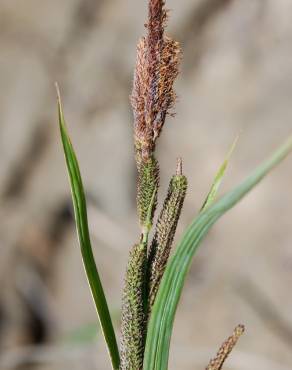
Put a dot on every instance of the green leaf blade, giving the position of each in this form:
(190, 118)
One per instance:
(80, 211)
(162, 318)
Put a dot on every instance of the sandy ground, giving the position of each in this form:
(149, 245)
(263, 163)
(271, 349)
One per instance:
(236, 78)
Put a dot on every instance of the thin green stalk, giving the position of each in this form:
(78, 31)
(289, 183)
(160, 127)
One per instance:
(211, 197)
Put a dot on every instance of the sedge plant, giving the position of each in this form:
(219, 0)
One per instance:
(154, 278)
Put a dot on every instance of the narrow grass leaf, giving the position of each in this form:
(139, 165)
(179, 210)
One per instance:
(164, 309)
(80, 210)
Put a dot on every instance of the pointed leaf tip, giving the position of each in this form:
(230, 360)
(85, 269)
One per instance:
(219, 177)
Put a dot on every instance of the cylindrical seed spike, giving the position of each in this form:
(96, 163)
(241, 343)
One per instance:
(165, 231)
(133, 310)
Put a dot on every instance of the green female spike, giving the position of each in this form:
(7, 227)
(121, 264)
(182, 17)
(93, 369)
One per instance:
(133, 310)
(165, 231)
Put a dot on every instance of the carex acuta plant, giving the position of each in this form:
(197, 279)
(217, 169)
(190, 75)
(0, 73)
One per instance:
(154, 276)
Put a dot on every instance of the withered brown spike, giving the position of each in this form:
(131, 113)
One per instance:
(225, 349)
(143, 135)
(165, 97)
(156, 23)
(153, 95)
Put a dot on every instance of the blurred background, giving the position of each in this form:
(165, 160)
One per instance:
(236, 77)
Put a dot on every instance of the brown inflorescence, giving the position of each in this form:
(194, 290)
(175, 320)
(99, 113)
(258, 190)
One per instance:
(157, 66)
